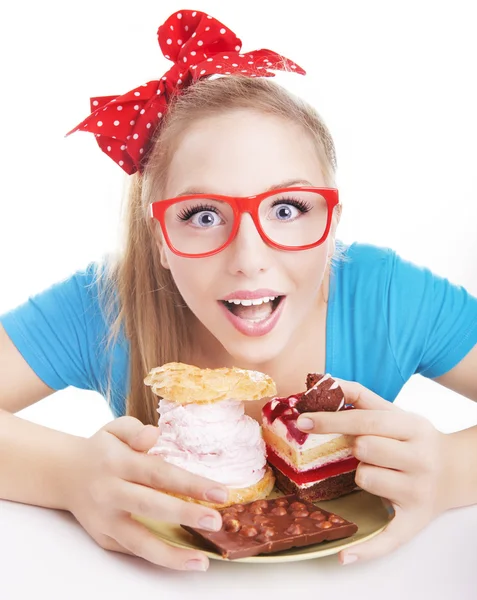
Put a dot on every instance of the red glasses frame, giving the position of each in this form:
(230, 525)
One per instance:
(241, 205)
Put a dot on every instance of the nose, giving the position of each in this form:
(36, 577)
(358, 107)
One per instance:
(249, 255)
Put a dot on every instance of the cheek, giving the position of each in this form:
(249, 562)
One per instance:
(307, 268)
(194, 279)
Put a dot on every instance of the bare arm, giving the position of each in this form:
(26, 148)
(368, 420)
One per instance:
(33, 459)
(461, 464)
(19, 385)
(35, 462)
(463, 377)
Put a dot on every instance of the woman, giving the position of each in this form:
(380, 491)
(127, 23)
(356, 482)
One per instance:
(231, 257)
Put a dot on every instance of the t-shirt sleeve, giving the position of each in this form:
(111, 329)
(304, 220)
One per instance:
(53, 331)
(432, 323)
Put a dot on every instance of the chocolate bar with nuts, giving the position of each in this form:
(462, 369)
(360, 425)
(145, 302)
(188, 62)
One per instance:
(266, 526)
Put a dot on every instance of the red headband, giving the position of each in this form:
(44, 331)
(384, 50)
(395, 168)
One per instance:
(198, 45)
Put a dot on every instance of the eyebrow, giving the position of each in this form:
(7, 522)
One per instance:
(283, 184)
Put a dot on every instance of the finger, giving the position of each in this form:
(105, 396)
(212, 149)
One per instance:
(387, 483)
(401, 529)
(109, 543)
(139, 541)
(154, 472)
(145, 438)
(398, 425)
(132, 432)
(361, 397)
(146, 502)
(385, 452)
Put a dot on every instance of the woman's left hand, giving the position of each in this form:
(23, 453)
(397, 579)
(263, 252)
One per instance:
(401, 458)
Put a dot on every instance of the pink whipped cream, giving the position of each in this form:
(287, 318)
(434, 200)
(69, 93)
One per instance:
(217, 441)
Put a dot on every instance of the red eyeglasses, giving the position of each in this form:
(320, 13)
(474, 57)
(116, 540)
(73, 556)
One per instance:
(291, 219)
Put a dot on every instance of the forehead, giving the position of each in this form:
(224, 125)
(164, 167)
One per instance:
(242, 153)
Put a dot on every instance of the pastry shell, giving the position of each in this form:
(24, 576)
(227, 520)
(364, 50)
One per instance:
(187, 384)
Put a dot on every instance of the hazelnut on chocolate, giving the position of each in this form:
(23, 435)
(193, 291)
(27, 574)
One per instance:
(248, 531)
(294, 529)
(300, 513)
(318, 516)
(232, 525)
(335, 519)
(297, 506)
(267, 531)
(260, 519)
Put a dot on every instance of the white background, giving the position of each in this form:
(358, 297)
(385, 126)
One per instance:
(395, 82)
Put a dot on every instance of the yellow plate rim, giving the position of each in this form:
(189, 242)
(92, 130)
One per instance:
(293, 554)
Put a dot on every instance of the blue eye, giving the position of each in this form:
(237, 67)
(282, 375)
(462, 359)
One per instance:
(286, 212)
(205, 219)
(289, 209)
(202, 216)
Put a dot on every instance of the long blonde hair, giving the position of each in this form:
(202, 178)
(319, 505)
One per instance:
(151, 311)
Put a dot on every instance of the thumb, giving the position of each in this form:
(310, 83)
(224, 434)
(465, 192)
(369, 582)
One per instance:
(132, 432)
(145, 439)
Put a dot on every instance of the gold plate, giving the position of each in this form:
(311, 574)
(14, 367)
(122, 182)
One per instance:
(370, 513)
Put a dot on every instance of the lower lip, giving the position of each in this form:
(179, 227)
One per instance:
(255, 328)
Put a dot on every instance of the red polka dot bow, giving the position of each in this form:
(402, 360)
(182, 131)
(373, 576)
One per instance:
(199, 46)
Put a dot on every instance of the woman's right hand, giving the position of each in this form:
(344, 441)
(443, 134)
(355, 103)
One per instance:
(114, 478)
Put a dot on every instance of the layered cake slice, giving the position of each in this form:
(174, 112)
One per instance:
(313, 466)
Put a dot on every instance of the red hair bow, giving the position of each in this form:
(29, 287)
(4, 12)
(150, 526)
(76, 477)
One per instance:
(198, 45)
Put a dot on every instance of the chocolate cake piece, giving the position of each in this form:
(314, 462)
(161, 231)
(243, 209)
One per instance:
(312, 379)
(327, 489)
(323, 394)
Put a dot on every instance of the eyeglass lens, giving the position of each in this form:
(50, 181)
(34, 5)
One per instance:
(202, 225)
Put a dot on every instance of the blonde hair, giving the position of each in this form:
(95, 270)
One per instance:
(150, 309)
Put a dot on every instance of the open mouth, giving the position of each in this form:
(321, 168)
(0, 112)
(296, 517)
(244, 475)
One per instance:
(258, 309)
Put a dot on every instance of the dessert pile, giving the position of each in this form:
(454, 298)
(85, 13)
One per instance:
(203, 429)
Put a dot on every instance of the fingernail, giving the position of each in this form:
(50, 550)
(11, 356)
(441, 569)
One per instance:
(196, 565)
(348, 559)
(305, 423)
(209, 523)
(217, 495)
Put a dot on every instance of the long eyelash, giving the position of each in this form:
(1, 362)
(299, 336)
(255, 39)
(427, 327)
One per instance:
(190, 211)
(296, 202)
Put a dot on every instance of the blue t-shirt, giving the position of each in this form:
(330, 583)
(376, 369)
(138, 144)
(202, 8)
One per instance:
(387, 320)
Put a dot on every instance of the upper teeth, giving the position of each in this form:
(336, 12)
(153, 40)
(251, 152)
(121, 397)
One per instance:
(254, 302)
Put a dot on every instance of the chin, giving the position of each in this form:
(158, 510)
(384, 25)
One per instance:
(254, 351)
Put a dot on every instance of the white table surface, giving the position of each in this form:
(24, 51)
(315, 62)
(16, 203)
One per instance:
(45, 554)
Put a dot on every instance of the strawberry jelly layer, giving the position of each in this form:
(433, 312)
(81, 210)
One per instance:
(284, 410)
(331, 470)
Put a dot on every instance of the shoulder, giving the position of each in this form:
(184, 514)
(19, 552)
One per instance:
(93, 284)
(381, 269)
(358, 262)
(359, 255)
(85, 299)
